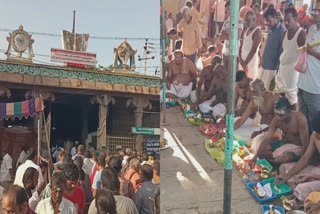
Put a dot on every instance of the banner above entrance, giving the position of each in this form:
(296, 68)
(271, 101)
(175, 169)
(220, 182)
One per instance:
(145, 131)
(21, 109)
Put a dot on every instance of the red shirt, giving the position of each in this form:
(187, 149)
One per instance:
(78, 199)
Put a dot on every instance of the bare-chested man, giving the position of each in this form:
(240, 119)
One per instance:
(304, 176)
(295, 135)
(258, 115)
(242, 91)
(181, 73)
(214, 99)
(205, 79)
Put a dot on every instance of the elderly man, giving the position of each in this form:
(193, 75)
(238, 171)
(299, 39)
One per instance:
(205, 79)
(309, 82)
(133, 174)
(304, 176)
(258, 115)
(181, 75)
(249, 46)
(242, 91)
(213, 100)
(56, 203)
(295, 137)
(287, 78)
(191, 37)
(272, 50)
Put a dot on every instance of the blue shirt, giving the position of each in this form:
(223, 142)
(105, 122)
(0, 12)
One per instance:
(272, 50)
(97, 180)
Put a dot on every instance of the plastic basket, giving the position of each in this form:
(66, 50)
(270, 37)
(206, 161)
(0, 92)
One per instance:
(265, 163)
(261, 201)
(265, 208)
(285, 189)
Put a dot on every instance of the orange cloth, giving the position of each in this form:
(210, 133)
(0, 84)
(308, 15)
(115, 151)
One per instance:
(313, 197)
(156, 178)
(134, 177)
(207, 61)
(191, 36)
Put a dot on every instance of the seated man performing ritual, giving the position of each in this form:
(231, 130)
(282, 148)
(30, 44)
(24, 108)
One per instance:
(242, 91)
(258, 114)
(181, 73)
(295, 135)
(304, 176)
(205, 79)
(213, 100)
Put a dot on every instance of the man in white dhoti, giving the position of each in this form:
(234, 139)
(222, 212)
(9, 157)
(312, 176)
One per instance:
(181, 73)
(249, 46)
(214, 100)
(287, 78)
(258, 115)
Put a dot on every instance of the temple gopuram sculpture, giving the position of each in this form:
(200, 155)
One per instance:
(19, 40)
(122, 55)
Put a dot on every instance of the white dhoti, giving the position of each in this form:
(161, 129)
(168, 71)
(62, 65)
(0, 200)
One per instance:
(179, 90)
(219, 110)
(245, 131)
(287, 82)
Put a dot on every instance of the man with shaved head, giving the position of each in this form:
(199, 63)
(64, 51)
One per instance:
(259, 111)
(181, 75)
(249, 46)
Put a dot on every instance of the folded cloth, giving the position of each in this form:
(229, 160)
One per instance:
(302, 190)
(286, 148)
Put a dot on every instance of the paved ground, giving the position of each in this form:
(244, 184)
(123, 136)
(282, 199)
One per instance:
(191, 181)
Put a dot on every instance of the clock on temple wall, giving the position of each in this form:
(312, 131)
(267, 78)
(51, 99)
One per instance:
(19, 40)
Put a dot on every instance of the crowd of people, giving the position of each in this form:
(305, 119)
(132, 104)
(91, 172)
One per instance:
(88, 181)
(277, 108)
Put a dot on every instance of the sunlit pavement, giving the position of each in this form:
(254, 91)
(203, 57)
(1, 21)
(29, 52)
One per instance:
(191, 181)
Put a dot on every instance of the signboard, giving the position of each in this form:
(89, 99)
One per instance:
(76, 57)
(152, 145)
(145, 131)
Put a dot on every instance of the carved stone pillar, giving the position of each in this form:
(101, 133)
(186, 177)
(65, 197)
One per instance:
(103, 102)
(139, 102)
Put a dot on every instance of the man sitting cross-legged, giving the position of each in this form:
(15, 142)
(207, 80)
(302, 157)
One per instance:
(304, 176)
(213, 100)
(295, 137)
(205, 79)
(258, 114)
(181, 75)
